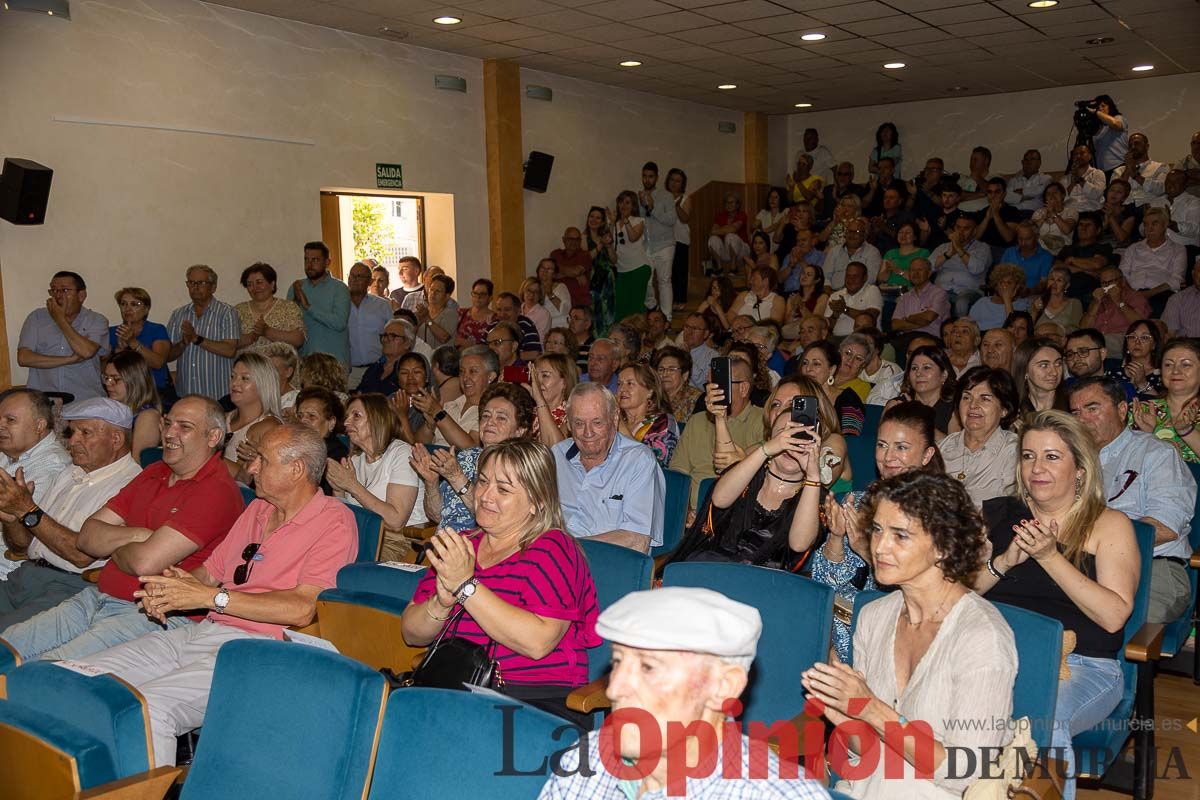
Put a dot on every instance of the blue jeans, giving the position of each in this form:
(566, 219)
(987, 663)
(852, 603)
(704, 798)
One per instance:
(961, 302)
(1084, 700)
(80, 626)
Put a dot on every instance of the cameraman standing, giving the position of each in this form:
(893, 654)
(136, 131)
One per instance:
(1112, 142)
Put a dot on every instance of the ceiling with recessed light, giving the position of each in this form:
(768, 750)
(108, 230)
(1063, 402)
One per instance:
(765, 48)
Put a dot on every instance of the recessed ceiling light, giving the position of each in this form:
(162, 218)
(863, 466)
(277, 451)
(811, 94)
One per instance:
(803, 105)
(1043, 3)
(1143, 68)
(631, 63)
(894, 65)
(447, 20)
(813, 37)
(727, 86)
(1100, 40)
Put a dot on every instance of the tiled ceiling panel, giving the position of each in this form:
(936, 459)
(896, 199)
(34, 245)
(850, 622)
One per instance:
(687, 47)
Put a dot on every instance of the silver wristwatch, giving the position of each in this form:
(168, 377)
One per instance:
(466, 591)
(221, 600)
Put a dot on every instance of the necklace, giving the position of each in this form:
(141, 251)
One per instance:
(785, 480)
(932, 617)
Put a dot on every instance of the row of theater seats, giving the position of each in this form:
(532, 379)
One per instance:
(92, 728)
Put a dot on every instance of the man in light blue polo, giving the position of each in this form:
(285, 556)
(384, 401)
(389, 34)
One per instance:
(62, 344)
(611, 486)
(369, 315)
(204, 337)
(326, 304)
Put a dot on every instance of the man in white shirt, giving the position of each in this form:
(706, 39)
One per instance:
(46, 532)
(1026, 187)
(961, 264)
(1146, 177)
(1084, 183)
(855, 248)
(1184, 209)
(823, 161)
(856, 297)
(1155, 266)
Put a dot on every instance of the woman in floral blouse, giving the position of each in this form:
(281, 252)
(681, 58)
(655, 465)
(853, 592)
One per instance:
(645, 411)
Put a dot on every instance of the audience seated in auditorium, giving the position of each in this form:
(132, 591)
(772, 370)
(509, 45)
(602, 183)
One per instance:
(1115, 305)
(760, 301)
(1145, 478)
(574, 266)
(1006, 283)
(45, 533)
(882, 179)
(729, 238)
(554, 377)
(1028, 254)
(449, 476)
(508, 307)
(925, 306)
(475, 320)
(456, 422)
(1086, 256)
(127, 380)
(928, 379)
(148, 339)
(62, 343)
(1054, 304)
(279, 555)
(961, 264)
(983, 453)
(1083, 183)
(886, 223)
(1085, 352)
(1141, 357)
(821, 362)
(612, 488)
(204, 337)
(1172, 418)
(1039, 372)
(843, 187)
(1119, 217)
(855, 248)
(997, 221)
(1182, 312)
(173, 514)
(885, 390)
(962, 338)
(254, 394)
(1055, 221)
(602, 364)
(673, 366)
(1026, 187)
(626, 340)
(1145, 177)
(1155, 266)
(322, 411)
(927, 539)
(858, 296)
(679, 656)
(645, 411)
(996, 349)
(1056, 550)
(1183, 210)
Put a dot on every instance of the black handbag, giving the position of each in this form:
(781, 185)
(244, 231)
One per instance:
(452, 661)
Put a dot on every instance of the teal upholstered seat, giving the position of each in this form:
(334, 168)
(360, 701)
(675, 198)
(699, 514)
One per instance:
(370, 532)
(675, 506)
(150, 455)
(616, 571)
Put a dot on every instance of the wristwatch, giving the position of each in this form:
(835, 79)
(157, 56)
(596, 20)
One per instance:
(199, 340)
(466, 591)
(466, 487)
(221, 600)
(32, 517)
(439, 416)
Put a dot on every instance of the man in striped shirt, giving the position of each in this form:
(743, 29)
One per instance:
(204, 337)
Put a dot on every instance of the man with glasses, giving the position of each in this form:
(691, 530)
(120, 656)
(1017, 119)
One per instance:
(694, 338)
(279, 555)
(858, 297)
(46, 531)
(579, 322)
(508, 309)
(854, 249)
(961, 264)
(574, 266)
(204, 337)
(62, 344)
(503, 339)
(369, 315)
(843, 185)
(173, 514)
(1085, 353)
(1146, 479)
(1115, 306)
(326, 304)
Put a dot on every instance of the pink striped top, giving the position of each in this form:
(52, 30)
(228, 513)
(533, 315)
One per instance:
(549, 578)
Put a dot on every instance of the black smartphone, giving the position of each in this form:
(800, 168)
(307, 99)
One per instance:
(722, 376)
(805, 411)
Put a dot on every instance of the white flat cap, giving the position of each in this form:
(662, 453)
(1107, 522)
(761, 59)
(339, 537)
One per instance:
(682, 618)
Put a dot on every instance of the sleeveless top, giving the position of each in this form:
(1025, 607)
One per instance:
(1028, 586)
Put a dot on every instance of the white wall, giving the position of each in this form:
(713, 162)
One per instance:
(600, 136)
(1164, 108)
(134, 206)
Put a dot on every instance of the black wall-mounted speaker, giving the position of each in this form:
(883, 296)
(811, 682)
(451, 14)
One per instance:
(537, 171)
(24, 191)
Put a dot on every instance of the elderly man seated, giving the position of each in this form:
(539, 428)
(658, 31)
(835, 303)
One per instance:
(1115, 305)
(28, 443)
(1155, 266)
(283, 551)
(99, 437)
(679, 654)
(611, 486)
(1146, 479)
(175, 512)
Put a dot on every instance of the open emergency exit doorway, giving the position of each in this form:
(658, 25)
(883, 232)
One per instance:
(387, 226)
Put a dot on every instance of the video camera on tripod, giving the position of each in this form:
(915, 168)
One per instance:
(1086, 121)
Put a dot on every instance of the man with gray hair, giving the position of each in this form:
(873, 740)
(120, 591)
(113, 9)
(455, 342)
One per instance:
(99, 434)
(679, 654)
(204, 337)
(611, 486)
(284, 550)
(174, 513)
(369, 315)
(1155, 266)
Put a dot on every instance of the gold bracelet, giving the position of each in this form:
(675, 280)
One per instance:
(431, 614)
(813, 483)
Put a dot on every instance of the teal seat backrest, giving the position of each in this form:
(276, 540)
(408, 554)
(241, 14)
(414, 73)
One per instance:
(675, 508)
(616, 571)
(370, 532)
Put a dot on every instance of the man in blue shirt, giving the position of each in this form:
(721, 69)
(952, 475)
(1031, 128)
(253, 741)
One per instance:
(369, 315)
(1144, 478)
(204, 337)
(326, 304)
(611, 486)
(1029, 255)
(62, 343)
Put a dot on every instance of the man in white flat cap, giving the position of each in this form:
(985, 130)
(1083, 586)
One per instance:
(98, 438)
(679, 656)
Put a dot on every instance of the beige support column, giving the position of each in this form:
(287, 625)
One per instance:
(505, 156)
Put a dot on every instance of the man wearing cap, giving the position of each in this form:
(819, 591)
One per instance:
(101, 466)
(679, 654)
(174, 513)
(28, 443)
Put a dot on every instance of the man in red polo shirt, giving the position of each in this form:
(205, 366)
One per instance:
(174, 512)
(280, 554)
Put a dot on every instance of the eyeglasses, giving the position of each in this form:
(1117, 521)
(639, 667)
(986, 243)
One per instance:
(493, 342)
(1139, 337)
(242, 573)
(1081, 352)
(668, 370)
(197, 284)
(853, 357)
(109, 380)
(391, 337)
(131, 304)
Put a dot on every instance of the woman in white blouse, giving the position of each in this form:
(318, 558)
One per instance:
(556, 299)
(457, 421)
(933, 652)
(377, 475)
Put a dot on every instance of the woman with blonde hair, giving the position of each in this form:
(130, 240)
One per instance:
(378, 475)
(646, 411)
(532, 295)
(128, 379)
(553, 377)
(518, 583)
(287, 365)
(1057, 549)
(254, 392)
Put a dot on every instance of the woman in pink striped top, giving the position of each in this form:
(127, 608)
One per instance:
(522, 581)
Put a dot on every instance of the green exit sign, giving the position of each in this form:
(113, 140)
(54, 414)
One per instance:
(389, 176)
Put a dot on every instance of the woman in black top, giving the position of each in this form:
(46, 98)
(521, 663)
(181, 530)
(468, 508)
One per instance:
(929, 379)
(1057, 549)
